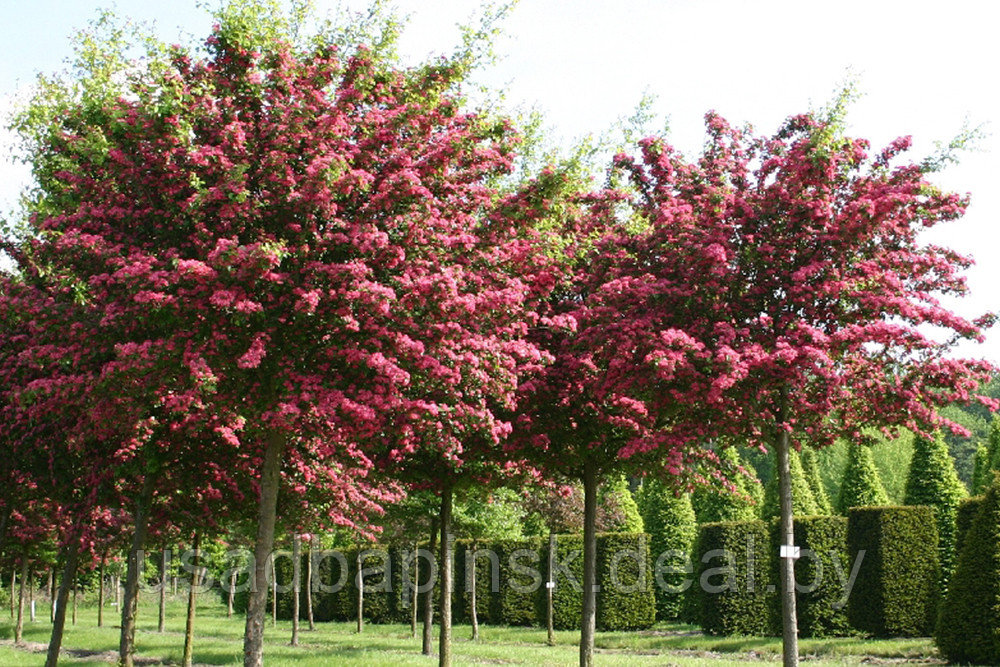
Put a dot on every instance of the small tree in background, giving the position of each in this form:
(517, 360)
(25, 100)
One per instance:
(803, 501)
(670, 521)
(712, 504)
(933, 481)
(617, 511)
(810, 466)
(861, 485)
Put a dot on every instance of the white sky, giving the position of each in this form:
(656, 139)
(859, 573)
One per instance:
(925, 68)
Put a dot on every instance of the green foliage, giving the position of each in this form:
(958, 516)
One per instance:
(732, 578)
(933, 481)
(963, 448)
(993, 447)
(626, 600)
(981, 466)
(803, 500)
(896, 592)
(617, 508)
(822, 610)
(969, 626)
(892, 458)
(488, 514)
(861, 485)
(968, 508)
(518, 602)
(671, 524)
(712, 505)
(810, 466)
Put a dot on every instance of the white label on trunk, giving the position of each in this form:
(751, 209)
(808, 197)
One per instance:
(789, 551)
(550, 584)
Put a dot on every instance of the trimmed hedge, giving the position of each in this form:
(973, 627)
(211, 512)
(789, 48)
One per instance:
(517, 598)
(969, 628)
(733, 578)
(896, 591)
(821, 608)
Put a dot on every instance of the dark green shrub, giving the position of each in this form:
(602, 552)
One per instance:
(625, 600)
(932, 481)
(810, 466)
(803, 500)
(712, 504)
(968, 508)
(896, 591)
(567, 597)
(671, 525)
(733, 575)
(822, 606)
(969, 627)
(522, 567)
(861, 485)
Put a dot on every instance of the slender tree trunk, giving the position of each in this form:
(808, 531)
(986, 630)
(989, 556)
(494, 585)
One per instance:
(253, 642)
(790, 631)
(588, 621)
(309, 586)
(161, 621)
(428, 647)
(360, 581)
(472, 591)
(232, 593)
(118, 592)
(550, 590)
(173, 584)
(444, 649)
(75, 591)
(126, 641)
(72, 554)
(296, 585)
(100, 590)
(414, 597)
(50, 590)
(192, 602)
(13, 583)
(19, 623)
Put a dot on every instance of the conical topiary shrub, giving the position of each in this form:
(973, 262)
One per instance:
(969, 624)
(810, 466)
(670, 522)
(803, 501)
(861, 485)
(713, 505)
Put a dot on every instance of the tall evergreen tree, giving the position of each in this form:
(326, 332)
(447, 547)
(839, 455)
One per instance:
(670, 522)
(712, 504)
(803, 500)
(617, 509)
(810, 465)
(861, 485)
(981, 470)
(933, 481)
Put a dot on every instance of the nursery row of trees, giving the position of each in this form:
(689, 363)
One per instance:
(284, 271)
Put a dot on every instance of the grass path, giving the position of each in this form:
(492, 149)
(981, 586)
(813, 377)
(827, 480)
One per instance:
(219, 641)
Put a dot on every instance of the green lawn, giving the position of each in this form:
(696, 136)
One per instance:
(219, 642)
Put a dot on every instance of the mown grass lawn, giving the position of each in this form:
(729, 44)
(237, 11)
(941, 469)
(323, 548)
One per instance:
(219, 641)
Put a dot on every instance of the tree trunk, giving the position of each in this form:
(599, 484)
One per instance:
(428, 647)
(471, 568)
(173, 584)
(126, 641)
(550, 590)
(13, 584)
(414, 597)
(309, 586)
(100, 590)
(161, 622)
(588, 620)
(75, 591)
(253, 642)
(359, 580)
(789, 622)
(444, 649)
(59, 624)
(50, 590)
(296, 585)
(232, 593)
(192, 601)
(19, 623)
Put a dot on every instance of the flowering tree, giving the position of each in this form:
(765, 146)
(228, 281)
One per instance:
(795, 267)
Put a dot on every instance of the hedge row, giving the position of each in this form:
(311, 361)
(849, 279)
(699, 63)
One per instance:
(737, 583)
(510, 585)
